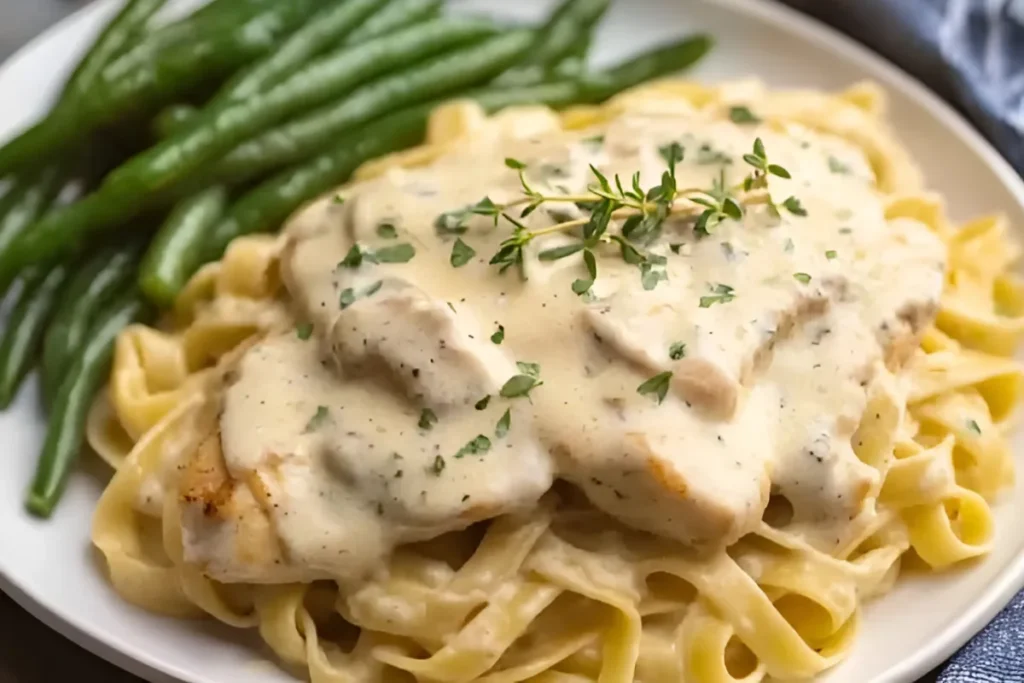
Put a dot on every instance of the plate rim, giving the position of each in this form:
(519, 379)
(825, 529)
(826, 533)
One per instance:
(989, 603)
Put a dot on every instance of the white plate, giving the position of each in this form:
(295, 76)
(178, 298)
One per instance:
(50, 568)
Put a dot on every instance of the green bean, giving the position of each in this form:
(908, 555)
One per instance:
(656, 63)
(118, 34)
(306, 136)
(40, 188)
(169, 73)
(326, 28)
(173, 119)
(127, 190)
(24, 330)
(396, 15)
(33, 193)
(225, 10)
(66, 428)
(215, 18)
(219, 128)
(574, 64)
(179, 243)
(98, 281)
(25, 202)
(560, 37)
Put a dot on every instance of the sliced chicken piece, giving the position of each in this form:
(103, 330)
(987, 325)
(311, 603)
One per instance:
(434, 353)
(324, 476)
(666, 470)
(226, 532)
(713, 370)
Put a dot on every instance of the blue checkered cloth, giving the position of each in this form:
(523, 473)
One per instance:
(971, 52)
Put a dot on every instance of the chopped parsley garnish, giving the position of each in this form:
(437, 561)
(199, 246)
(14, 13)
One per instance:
(387, 231)
(656, 386)
(499, 336)
(354, 257)
(399, 253)
(837, 166)
(677, 350)
(461, 253)
(504, 424)
(831, 254)
(427, 419)
(338, 199)
(651, 275)
(304, 330)
(802, 277)
(519, 385)
(319, 418)
(482, 403)
(793, 205)
(720, 294)
(452, 222)
(479, 445)
(531, 369)
(349, 296)
(438, 466)
(708, 155)
(741, 114)
(972, 425)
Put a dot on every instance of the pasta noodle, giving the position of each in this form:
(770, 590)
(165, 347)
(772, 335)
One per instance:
(562, 594)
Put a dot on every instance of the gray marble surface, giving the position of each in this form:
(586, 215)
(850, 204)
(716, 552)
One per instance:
(29, 651)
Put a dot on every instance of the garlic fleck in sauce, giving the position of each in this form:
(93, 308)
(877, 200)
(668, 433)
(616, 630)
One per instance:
(774, 328)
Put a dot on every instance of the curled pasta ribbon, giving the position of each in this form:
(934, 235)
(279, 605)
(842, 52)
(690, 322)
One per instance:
(105, 434)
(149, 582)
(704, 643)
(478, 645)
(922, 478)
(980, 449)
(570, 624)
(998, 380)
(151, 380)
(610, 583)
(411, 587)
(926, 208)
(280, 611)
(208, 594)
(957, 528)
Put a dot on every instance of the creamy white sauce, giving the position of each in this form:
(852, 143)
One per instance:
(770, 391)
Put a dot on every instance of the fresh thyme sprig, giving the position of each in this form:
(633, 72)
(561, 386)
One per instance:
(643, 214)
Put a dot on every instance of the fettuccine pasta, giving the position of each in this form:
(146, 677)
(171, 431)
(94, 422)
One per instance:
(571, 588)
